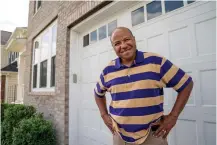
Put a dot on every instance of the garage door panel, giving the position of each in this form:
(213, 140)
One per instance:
(138, 35)
(85, 140)
(90, 70)
(190, 112)
(88, 114)
(87, 90)
(208, 86)
(105, 58)
(96, 135)
(179, 43)
(186, 132)
(141, 45)
(158, 44)
(89, 104)
(104, 44)
(105, 138)
(85, 52)
(209, 133)
(85, 67)
(206, 29)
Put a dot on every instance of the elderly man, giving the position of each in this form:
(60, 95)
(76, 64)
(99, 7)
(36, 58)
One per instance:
(136, 81)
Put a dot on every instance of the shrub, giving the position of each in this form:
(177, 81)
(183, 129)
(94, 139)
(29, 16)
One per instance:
(34, 131)
(13, 114)
(4, 107)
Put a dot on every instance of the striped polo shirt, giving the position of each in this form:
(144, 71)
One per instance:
(137, 92)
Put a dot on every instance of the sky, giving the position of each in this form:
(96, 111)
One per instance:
(13, 13)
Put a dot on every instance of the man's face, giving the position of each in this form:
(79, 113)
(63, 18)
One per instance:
(124, 44)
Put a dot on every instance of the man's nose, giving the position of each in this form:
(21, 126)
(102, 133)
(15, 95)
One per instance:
(123, 45)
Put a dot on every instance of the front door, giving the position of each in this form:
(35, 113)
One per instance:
(3, 78)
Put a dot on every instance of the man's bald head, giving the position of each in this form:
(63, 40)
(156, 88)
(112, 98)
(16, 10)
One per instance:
(121, 28)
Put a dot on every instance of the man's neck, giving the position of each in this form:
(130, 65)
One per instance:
(128, 62)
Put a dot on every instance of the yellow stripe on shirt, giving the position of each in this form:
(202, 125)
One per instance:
(170, 74)
(132, 71)
(136, 119)
(143, 84)
(140, 102)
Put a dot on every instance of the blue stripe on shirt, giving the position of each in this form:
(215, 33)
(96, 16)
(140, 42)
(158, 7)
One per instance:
(149, 60)
(102, 80)
(176, 78)
(142, 93)
(98, 88)
(138, 111)
(134, 78)
(126, 138)
(165, 67)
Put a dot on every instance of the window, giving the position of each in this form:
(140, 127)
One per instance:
(93, 36)
(154, 9)
(111, 26)
(137, 16)
(37, 5)
(172, 5)
(102, 32)
(43, 74)
(53, 65)
(35, 76)
(36, 52)
(86, 40)
(45, 45)
(44, 53)
(190, 1)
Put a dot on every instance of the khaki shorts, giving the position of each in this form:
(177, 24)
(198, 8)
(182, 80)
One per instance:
(151, 140)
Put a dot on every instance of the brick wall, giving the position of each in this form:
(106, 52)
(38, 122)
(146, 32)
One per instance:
(54, 105)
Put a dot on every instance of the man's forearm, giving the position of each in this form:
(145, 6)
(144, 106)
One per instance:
(101, 103)
(181, 100)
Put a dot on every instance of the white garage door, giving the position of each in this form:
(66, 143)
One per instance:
(184, 32)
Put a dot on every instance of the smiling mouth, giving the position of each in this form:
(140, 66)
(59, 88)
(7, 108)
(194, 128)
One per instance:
(125, 51)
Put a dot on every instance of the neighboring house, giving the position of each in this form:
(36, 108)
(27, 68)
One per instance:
(68, 45)
(8, 71)
(12, 65)
(16, 45)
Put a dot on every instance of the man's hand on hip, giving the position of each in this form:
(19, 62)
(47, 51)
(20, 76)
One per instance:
(166, 125)
(108, 122)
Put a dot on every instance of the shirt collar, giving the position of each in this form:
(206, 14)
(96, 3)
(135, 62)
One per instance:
(139, 58)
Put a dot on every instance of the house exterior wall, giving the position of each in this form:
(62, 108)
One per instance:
(54, 105)
(4, 57)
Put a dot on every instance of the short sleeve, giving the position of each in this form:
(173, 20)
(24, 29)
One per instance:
(100, 88)
(172, 76)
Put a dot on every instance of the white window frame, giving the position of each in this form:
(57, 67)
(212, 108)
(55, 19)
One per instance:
(39, 38)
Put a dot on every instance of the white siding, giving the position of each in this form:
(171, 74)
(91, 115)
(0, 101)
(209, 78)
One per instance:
(11, 88)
